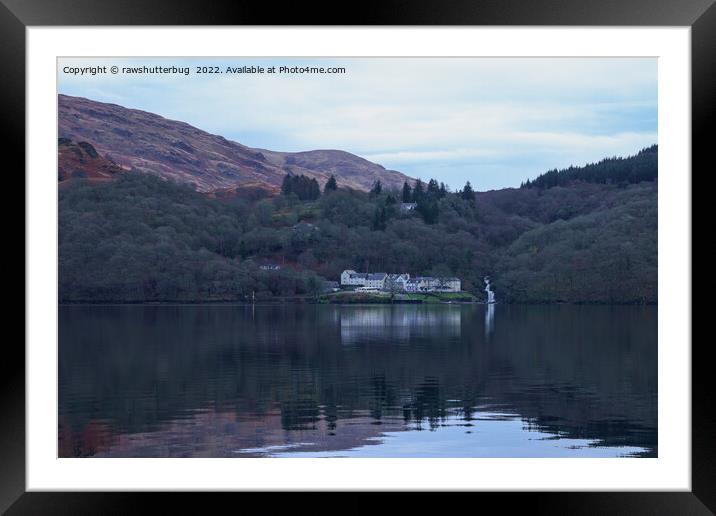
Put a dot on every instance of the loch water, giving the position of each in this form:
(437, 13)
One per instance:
(357, 381)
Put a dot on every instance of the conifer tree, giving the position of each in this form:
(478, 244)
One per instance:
(331, 185)
(377, 188)
(407, 192)
(418, 191)
(468, 193)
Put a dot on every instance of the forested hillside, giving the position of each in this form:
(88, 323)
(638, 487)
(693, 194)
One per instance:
(141, 238)
(606, 255)
(632, 169)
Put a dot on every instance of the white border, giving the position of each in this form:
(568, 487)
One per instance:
(671, 471)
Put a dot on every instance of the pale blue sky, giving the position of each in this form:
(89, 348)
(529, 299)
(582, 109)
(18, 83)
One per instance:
(492, 121)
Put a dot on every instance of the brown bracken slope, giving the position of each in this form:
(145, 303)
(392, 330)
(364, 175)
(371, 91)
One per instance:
(81, 160)
(175, 150)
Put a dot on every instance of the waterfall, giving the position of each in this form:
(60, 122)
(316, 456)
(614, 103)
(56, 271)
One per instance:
(489, 309)
(490, 293)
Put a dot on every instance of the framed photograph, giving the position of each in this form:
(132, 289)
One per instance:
(436, 248)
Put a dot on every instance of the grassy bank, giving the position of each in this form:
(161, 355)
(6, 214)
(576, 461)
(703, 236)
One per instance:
(387, 298)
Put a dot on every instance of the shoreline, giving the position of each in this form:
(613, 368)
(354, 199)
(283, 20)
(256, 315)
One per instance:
(282, 303)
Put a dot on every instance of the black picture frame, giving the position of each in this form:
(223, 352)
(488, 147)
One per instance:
(17, 15)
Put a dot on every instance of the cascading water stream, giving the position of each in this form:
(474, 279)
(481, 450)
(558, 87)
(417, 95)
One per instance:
(489, 309)
(490, 293)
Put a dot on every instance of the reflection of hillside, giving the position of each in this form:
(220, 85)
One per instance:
(583, 372)
(398, 323)
(208, 433)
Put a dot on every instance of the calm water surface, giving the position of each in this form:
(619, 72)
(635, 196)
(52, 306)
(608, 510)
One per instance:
(357, 381)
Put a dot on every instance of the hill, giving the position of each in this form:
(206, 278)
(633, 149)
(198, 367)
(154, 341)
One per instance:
(81, 160)
(175, 150)
(632, 169)
(140, 238)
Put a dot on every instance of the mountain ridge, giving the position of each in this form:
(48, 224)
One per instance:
(172, 149)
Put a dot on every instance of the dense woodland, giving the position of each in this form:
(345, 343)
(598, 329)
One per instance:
(621, 171)
(584, 234)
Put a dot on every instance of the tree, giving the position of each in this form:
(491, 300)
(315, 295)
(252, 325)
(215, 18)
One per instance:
(377, 188)
(142, 238)
(407, 192)
(286, 185)
(314, 191)
(380, 219)
(468, 193)
(418, 191)
(315, 285)
(428, 209)
(331, 185)
(306, 189)
(633, 169)
(433, 188)
(264, 212)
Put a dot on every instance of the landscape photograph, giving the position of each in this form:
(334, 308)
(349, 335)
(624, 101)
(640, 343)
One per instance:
(357, 257)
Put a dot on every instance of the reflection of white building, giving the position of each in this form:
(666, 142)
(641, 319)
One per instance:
(398, 323)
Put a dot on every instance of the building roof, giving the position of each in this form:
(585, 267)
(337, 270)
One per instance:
(376, 276)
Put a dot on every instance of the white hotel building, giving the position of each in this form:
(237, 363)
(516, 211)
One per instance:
(399, 282)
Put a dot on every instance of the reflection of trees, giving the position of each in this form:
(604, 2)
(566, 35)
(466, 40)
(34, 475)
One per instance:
(384, 396)
(299, 414)
(583, 371)
(427, 404)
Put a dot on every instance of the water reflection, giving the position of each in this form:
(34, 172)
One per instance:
(489, 320)
(235, 381)
(398, 323)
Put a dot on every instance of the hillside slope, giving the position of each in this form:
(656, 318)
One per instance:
(176, 150)
(143, 239)
(606, 255)
(81, 160)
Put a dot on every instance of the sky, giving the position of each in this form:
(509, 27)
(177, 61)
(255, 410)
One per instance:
(492, 121)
